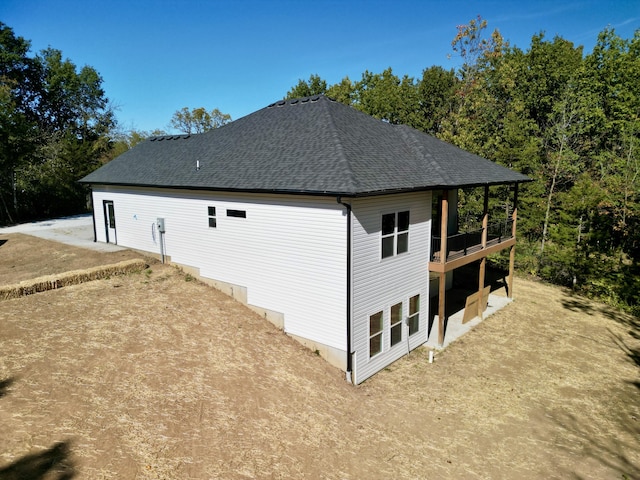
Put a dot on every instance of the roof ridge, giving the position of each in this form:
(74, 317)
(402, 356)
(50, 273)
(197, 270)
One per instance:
(408, 135)
(178, 136)
(299, 101)
(335, 134)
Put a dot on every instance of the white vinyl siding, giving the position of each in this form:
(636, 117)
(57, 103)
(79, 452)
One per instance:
(288, 251)
(380, 284)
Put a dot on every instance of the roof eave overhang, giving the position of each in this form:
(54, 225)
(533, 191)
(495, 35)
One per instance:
(326, 193)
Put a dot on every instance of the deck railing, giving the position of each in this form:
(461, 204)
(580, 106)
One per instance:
(461, 244)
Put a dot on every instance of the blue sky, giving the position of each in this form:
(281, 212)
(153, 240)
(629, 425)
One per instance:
(158, 56)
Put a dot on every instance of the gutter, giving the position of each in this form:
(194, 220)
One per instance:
(349, 300)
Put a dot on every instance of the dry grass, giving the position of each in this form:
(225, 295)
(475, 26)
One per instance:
(150, 376)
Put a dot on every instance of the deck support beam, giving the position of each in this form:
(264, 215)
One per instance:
(512, 251)
(483, 262)
(442, 287)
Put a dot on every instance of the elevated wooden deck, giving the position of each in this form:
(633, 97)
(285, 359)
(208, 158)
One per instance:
(464, 248)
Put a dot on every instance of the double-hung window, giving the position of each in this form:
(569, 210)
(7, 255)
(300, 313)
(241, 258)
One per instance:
(395, 233)
(414, 314)
(375, 334)
(396, 324)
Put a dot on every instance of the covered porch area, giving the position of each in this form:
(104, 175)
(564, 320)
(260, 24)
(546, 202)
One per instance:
(466, 289)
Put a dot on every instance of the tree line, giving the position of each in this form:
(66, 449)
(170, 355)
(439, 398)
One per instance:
(568, 120)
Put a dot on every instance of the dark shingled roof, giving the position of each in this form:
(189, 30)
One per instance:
(310, 145)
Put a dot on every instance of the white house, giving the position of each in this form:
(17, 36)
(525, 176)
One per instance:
(314, 214)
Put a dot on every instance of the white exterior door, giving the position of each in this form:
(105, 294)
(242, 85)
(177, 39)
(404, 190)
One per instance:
(110, 221)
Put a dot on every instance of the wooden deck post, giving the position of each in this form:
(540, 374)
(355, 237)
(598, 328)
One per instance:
(483, 262)
(512, 251)
(444, 222)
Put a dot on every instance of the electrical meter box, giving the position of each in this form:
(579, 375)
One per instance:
(160, 224)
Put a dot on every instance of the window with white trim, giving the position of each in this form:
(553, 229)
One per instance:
(395, 233)
(212, 217)
(375, 334)
(414, 314)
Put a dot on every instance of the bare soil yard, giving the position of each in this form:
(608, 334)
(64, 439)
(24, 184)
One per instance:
(150, 376)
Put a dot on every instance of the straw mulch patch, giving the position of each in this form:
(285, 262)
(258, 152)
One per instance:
(74, 277)
(151, 376)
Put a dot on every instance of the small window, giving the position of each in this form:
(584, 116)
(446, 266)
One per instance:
(395, 233)
(375, 334)
(212, 217)
(396, 324)
(237, 213)
(414, 314)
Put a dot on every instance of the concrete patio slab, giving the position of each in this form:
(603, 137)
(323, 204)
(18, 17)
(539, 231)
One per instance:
(454, 326)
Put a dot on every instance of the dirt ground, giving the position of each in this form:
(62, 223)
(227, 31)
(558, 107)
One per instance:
(151, 376)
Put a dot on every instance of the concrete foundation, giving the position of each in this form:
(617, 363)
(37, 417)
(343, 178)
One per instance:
(334, 356)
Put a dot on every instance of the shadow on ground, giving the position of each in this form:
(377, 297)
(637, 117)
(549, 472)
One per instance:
(51, 464)
(612, 453)
(6, 385)
(631, 347)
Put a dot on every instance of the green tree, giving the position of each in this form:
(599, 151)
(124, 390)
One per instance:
(562, 147)
(387, 97)
(612, 79)
(343, 92)
(18, 76)
(307, 88)
(436, 92)
(125, 140)
(198, 120)
(480, 101)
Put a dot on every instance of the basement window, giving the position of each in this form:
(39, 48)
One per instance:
(395, 233)
(212, 217)
(237, 213)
